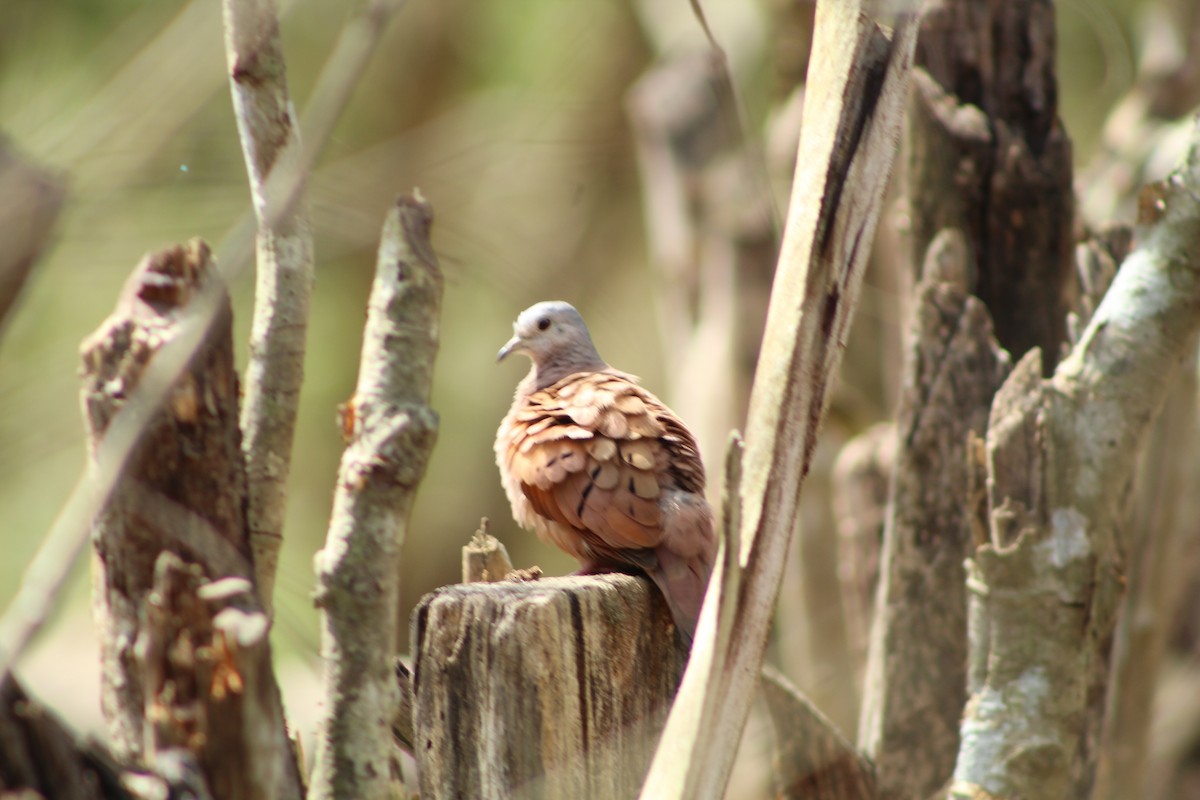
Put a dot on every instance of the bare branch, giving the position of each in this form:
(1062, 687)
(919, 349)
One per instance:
(1046, 588)
(30, 200)
(357, 572)
(270, 136)
(854, 106)
(45, 576)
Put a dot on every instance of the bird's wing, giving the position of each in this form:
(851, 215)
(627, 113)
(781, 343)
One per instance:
(594, 452)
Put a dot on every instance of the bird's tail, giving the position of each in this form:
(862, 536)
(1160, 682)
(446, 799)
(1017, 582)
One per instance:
(685, 557)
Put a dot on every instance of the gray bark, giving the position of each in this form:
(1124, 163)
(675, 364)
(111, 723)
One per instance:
(392, 430)
(1046, 587)
(270, 136)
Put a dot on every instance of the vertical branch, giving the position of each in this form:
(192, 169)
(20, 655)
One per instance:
(393, 431)
(916, 664)
(1061, 452)
(854, 107)
(30, 200)
(270, 137)
(1162, 533)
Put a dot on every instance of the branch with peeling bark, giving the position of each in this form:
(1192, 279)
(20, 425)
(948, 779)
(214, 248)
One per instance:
(1045, 589)
(857, 85)
(393, 430)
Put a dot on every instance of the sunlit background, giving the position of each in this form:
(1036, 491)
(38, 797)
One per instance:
(508, 114)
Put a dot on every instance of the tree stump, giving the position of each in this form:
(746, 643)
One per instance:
(544, 689)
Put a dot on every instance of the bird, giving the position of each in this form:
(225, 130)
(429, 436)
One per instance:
(602, 469)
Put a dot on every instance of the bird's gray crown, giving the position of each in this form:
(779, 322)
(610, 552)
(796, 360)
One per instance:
(551, 311)
(553, 334)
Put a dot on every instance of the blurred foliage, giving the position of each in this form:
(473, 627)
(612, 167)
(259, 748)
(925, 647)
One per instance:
(506, 113)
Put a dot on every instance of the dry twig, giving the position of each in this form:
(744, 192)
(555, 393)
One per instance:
(270, 137)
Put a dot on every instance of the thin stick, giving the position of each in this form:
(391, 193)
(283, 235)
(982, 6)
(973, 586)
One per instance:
(269, 135)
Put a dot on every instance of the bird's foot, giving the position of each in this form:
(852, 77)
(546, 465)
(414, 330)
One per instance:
(524, 575)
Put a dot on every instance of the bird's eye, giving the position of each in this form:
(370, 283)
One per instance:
(543, 323)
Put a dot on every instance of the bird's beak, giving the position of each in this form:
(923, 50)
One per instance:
(509, 346)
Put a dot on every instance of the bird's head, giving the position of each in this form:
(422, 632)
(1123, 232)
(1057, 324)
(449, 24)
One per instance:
(553, 335)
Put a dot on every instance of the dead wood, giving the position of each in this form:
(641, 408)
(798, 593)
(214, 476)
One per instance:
(1046, 587)
(184, 488)
(392, 432)
(989, 157)
(916, 665)
(542, 689)
(182, 493)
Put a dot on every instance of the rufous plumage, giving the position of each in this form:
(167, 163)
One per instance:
(600, 467)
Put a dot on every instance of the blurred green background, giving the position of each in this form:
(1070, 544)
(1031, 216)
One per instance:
(508, 114)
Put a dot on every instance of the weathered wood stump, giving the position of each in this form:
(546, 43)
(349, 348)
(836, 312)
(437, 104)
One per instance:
(551, 688)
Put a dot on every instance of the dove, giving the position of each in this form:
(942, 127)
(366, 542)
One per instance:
(601, 468)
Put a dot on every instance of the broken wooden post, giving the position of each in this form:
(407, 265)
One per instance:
(550, 688)
(185, 655)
